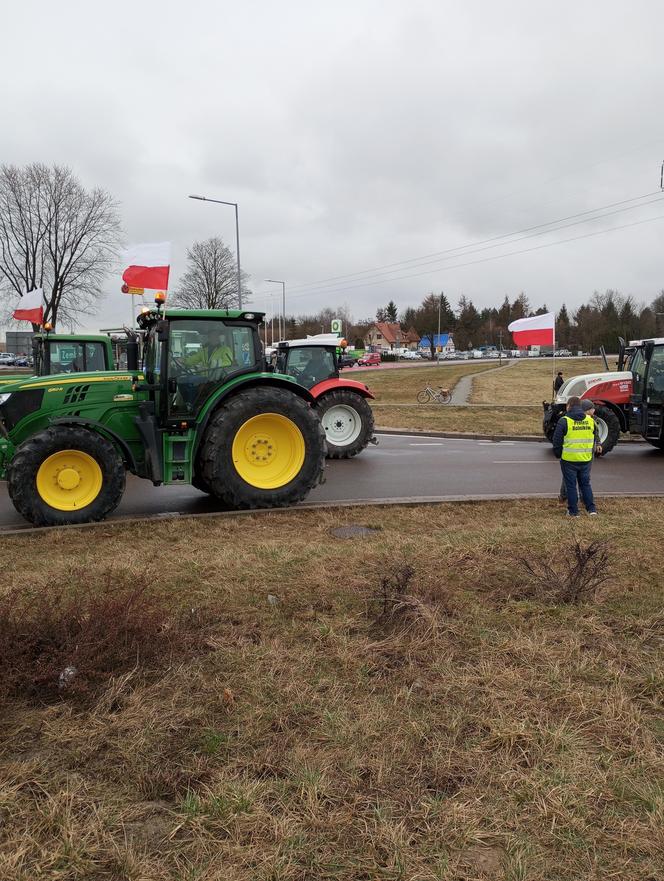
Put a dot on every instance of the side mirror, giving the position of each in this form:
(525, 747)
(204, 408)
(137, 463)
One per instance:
(162, 331)
(172, 385)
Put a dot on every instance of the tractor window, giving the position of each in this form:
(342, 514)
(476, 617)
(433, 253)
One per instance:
(202, 355)
(75, 357)
(310, 364)
(656, 372)
(637, 367)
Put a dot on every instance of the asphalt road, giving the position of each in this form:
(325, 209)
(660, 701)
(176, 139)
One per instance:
(417, 467)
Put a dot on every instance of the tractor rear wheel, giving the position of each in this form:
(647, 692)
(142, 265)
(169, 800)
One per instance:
(264, 448)
(608, 426)
(348, 422)
(65, 475)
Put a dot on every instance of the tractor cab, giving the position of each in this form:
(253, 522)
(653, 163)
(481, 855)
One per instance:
(188, 355)
(66, 353)
(311, 360)
(646, 410)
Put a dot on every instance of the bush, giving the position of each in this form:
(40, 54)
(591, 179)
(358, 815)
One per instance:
(59, 641)
(572, 574)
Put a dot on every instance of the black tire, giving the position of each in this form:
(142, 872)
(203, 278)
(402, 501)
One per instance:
(445, 397)
(350, 428)
(609, 428)
(423, 397)
(219, 471)
(24, 467)
(199, 482)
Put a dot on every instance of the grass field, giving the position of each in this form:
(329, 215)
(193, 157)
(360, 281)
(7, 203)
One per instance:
(529, 381)
(473, 420)
(410, 704)
(400, 386)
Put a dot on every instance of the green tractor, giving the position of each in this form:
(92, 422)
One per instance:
(202, 411)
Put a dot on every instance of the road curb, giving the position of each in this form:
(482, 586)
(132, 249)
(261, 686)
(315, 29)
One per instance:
(531, 438)
(322, 506)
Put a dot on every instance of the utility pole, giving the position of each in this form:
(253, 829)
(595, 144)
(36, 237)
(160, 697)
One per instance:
(500, 347)
(440, 302)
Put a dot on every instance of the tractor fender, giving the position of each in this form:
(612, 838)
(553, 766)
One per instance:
(620, 411)
(104, 430)
(229, 391)
(333, 385)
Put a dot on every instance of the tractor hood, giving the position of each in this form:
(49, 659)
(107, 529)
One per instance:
(20, 383)
(612, 385)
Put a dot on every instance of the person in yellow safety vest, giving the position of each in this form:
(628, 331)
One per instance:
(204, 366)
(588, 408)
(574, 444)
(213, 354)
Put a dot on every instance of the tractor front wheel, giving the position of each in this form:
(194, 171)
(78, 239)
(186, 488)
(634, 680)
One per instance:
(264, 448)
(608, 426)
(348, 422)
(65, 475)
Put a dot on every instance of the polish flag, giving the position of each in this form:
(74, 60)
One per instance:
(536, 331)
(31, 307)
(147, 266)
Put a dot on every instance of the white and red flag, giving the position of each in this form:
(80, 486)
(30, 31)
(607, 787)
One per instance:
(536, 331)
(147, 266)
(30, 307)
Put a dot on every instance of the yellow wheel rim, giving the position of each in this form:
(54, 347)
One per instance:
(268, 451)
(69, 480)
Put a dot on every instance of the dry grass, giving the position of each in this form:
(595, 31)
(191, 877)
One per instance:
(529, 381)
(474, 420)
(469, 734)
(401, 385)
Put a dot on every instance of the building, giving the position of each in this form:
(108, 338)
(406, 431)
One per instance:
(19, 342)
(443, 342)
(389, 336)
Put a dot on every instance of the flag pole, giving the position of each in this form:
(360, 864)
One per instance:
(553, 369)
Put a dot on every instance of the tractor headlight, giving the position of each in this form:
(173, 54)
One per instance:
(5, 398)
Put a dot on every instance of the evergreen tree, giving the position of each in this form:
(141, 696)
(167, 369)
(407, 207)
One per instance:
(391, 311)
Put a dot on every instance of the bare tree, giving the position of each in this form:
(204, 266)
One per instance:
(55, 235)
(210, 279)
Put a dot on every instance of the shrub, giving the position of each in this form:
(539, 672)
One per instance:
(573, 574)
(57, 640)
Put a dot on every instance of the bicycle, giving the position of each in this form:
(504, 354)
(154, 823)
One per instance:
(440, 395)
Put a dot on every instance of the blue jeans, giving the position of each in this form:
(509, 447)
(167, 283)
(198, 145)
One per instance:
(574, 472)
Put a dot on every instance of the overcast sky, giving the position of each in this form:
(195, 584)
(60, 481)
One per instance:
(355, 135)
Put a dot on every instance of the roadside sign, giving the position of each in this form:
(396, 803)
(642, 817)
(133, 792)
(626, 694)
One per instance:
(336, 325)
(136, 290)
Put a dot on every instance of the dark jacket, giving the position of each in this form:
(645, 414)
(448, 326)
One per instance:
(558, 382)
(561, 430)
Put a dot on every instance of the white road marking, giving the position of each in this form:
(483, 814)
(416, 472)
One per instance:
(525, 462)
(427, 445)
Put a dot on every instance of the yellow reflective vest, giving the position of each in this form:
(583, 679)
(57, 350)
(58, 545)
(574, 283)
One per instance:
(579, 441)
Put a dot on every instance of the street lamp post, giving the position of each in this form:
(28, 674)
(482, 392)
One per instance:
(440, 300)
(282, 332)
(237, 241)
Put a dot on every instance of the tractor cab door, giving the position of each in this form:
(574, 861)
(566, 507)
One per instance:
(647, 404)
(203, 354)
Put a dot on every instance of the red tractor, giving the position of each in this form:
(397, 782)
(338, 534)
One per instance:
(629, 399)
(342, 404)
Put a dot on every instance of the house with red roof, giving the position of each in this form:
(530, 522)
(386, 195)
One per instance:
(389, 336)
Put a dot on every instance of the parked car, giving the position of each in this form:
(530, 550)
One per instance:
(347, 361)
(411, 356)
(371, 359)
(7, 359)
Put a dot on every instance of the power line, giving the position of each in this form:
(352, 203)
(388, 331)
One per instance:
(353, 275)
(387, 273)
(489, 259)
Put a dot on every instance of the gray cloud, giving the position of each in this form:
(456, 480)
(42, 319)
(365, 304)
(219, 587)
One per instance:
(354, 135)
